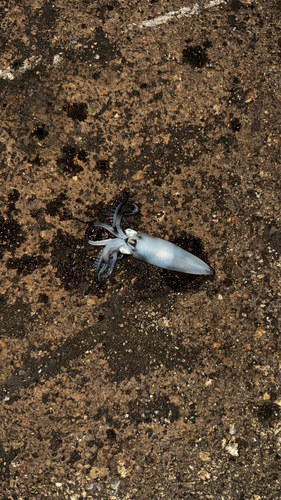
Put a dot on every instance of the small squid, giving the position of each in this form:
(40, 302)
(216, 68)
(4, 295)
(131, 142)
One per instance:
(150, 249)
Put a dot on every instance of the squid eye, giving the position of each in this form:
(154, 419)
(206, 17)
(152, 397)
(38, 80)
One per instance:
(125, 250)
(131, 243)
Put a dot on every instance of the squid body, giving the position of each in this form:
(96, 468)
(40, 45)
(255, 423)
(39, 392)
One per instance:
(150, 249)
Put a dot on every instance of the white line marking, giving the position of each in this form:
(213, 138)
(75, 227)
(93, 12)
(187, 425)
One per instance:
(184, 11)
(10, 73)
(31, 63)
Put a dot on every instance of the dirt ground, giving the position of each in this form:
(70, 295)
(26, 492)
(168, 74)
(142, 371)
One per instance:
(154, 385)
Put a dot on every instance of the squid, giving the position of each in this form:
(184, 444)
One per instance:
(141, 246)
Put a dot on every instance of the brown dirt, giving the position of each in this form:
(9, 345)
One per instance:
(152, 386)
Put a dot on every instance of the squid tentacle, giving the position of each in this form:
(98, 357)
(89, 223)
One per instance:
(116, 209)
(98, 243)
(134, 211)
(104, 269)
(110, 229)
(111, 264)
(107, 258)
(98, 266)
(116, 215)
(100, 272)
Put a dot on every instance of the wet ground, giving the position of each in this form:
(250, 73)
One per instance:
(154, 385)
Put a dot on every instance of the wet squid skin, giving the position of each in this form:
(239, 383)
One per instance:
(150, 249)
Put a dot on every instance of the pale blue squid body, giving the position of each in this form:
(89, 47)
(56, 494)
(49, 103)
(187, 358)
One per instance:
(163, 253)
(141, 246)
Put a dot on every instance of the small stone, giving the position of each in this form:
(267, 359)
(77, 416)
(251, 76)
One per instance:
(232, 430)
(205, 457)
(232, 448)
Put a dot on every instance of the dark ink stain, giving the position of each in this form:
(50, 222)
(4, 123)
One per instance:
(6, 458)
(234, 22)
(15, 65)
(40, 132)
(13, 197)
(48, 15)
(130, 355)
(102, 165)
(196, 55)
(72, 159)
(47, 366)
(55, 442)
(237, 95)
(74, 264)
(127, 355)
(74, 457)
(27, 264)
(235, 125)
(76, 110)
(272, 239)
(102, 44)
(43, 298)
(158, 96)
(39, 216)
(14, 318)
(227, 141)
(268, 412)
(56, 206)
(275, 242)
(235, 5)
(111, 434)
(11, 235)
(36, 162)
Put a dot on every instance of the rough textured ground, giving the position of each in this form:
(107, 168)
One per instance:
(154, 385)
